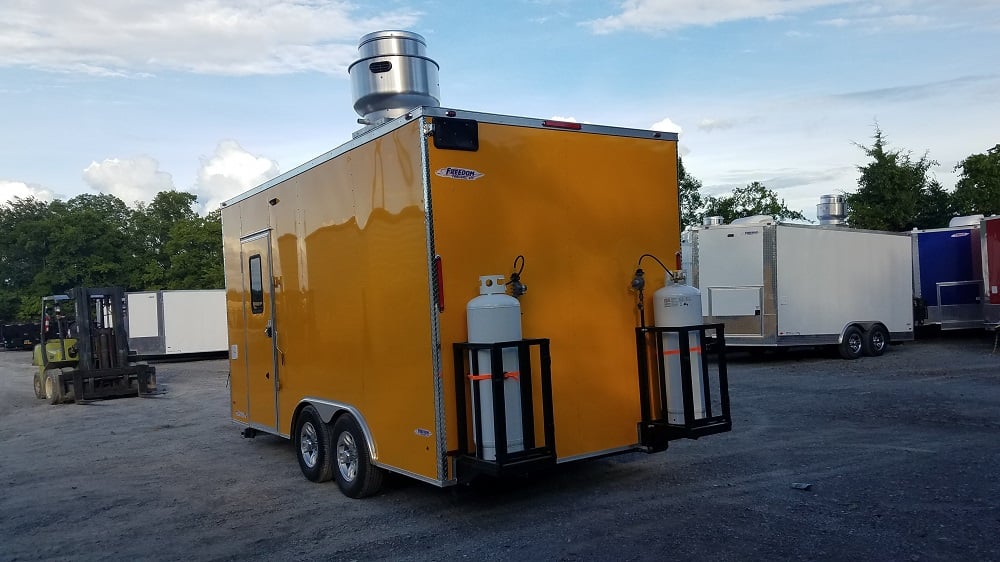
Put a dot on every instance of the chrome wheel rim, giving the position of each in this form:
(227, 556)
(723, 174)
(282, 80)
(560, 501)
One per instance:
(878, 341)
(854, 343)
(347, 456)
(309, 444)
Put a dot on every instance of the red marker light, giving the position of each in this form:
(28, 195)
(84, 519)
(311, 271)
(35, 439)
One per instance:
(562, 124)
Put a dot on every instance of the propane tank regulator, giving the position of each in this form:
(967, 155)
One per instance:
(516, 287)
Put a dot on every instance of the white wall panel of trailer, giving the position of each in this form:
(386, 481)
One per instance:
(143, 315)
(195, 321)
(828, 277)
(177, 322)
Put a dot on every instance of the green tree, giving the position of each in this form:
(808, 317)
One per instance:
(24, 240)
(754, 199)
(195, 253)
(937, 206)
(90, 243)
(689, 196)
(978, 187)
(154, 225)
(895, 193)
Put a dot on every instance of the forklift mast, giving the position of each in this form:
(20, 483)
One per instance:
(100, 319)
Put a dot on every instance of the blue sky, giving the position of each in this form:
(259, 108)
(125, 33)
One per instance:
(131, 97)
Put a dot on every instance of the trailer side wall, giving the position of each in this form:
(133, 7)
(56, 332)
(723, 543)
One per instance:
(351, 295)
(827, 278)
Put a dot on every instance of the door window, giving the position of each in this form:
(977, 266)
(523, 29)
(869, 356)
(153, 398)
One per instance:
(256, 286)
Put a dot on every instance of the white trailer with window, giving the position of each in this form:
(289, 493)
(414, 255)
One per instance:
(781, 285)
(171, 323)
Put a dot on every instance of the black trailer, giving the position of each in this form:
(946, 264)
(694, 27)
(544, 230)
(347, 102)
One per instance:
(20, 336)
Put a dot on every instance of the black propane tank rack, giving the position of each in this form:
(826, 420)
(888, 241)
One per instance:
(655, 430)
(469, 457)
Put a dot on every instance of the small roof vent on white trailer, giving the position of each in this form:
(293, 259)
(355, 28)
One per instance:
(755, 220)
(712, 221)
(969, 220)
(832, 209)
(392, 76)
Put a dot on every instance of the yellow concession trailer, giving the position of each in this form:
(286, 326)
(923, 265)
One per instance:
(352, 284)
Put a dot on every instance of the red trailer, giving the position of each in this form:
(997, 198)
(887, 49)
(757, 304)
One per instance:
(989, 232)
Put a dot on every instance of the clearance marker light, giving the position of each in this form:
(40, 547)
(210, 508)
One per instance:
(562, 124)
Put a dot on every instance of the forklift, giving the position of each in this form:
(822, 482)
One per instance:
(83, 353)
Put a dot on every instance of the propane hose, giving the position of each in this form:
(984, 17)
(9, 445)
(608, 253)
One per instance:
(639, 284)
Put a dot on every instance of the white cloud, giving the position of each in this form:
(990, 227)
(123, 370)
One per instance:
(709, 125)
(229, 37)
(666, 15)
(230, 171)
(667, 126)
(836, 22)
(11, 189)
(132, 179)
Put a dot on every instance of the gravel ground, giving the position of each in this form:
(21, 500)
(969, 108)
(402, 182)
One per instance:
(901, 455)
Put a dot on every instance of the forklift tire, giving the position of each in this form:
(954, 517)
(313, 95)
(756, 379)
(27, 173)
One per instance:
(53, 389)
(852, 346)
(314, 446)
(355, 474)
(876, 341)
(39, 384)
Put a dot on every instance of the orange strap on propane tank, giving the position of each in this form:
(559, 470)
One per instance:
(696, 349)
(485, 377)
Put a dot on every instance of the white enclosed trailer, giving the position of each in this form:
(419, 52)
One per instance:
(780, 285)
(162, 323)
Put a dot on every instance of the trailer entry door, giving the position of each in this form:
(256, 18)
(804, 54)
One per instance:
(258, 314)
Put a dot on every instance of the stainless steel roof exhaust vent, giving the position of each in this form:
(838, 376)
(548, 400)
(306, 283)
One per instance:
(832, 209)
(391, 76)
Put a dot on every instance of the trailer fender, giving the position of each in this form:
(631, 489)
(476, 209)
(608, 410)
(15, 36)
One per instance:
(329, 411)
(863, 325)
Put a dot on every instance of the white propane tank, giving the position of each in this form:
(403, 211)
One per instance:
(495, 316)
(678, 305)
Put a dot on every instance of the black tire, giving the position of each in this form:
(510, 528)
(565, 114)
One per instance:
(355, 473)
(313, 446)
(39, 384)
(53, 388)
(876, 340)
(852, 346)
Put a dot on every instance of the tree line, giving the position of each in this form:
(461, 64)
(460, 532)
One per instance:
(895, 192)
(98, 241)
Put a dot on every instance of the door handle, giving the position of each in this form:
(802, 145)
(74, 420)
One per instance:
(269, 330)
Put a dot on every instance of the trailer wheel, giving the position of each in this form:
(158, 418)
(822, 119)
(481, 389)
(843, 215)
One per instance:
(53, 388)
(876, 340)
(852, 346)
(356, 475)
(313, 443)
(39, 384)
